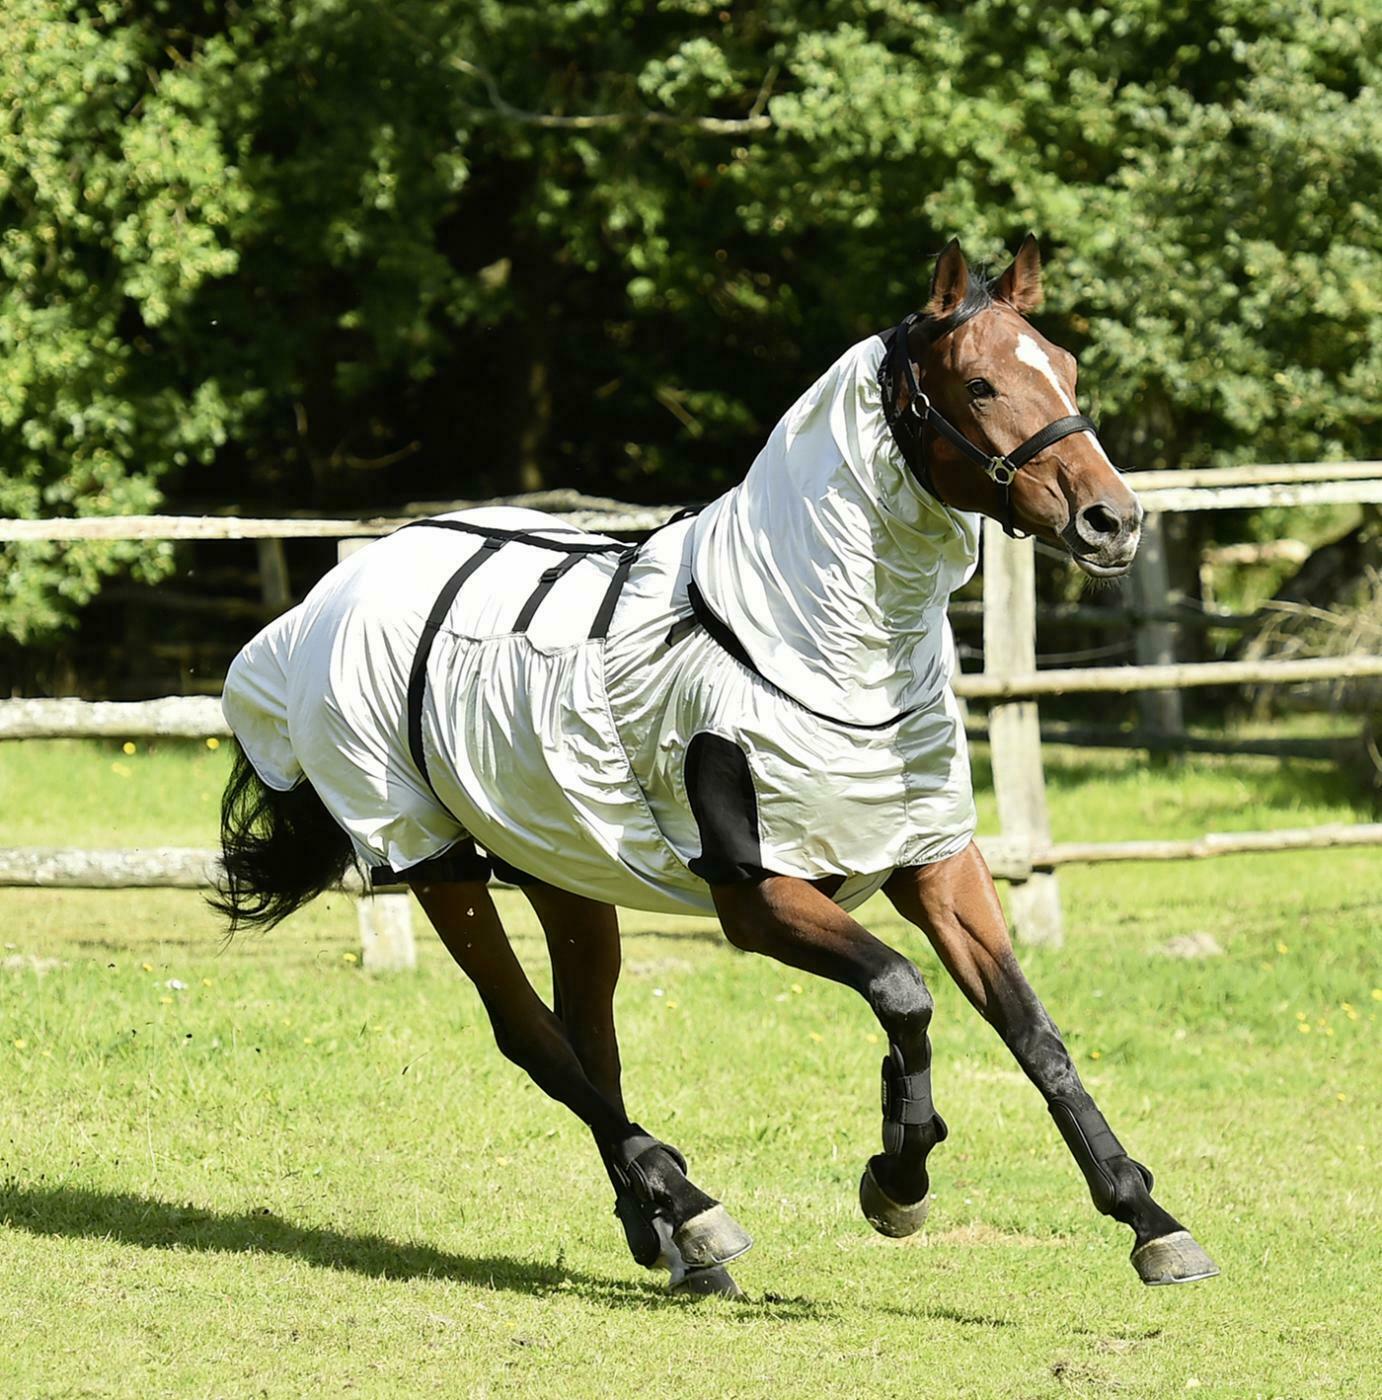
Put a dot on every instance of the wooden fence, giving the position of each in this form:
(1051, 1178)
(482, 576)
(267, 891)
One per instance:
(1024, 854)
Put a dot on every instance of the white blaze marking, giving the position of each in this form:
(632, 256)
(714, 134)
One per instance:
(1030, 353)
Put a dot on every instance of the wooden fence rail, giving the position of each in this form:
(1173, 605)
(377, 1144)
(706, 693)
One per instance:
(1024, 855)
(1209, 488)
(199, 716)
(195, 868)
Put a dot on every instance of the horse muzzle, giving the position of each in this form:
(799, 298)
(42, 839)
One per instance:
(1102, 537)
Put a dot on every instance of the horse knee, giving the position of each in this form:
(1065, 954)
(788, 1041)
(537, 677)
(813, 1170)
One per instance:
(901, 1000)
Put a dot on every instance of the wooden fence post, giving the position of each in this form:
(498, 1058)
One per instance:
(386, 932)
(1014, 730)
(275, 586)
(386, 919)
(1160, 712)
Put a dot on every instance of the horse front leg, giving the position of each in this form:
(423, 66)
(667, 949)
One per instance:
(790, 920)
(954, 902)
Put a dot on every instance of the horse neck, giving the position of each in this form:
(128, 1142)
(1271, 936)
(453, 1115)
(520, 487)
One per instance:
(829, 561)
(894, 549)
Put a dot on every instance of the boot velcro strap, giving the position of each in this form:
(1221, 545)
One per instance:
(906, 1097)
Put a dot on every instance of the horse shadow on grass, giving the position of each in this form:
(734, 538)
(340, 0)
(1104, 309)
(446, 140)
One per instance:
(146, 1222)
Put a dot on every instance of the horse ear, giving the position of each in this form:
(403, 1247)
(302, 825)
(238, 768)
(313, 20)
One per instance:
(949, 282)
(1020, 285)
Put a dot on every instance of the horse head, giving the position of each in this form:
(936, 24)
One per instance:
(999, 429)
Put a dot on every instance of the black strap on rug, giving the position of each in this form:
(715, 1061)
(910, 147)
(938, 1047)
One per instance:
(545, 585)
(489, 532)
(462, 863)
(417, 675)
(599, 629)
(493, 541)
(725, 638)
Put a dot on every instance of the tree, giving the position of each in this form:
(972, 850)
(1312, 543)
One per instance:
(344, 254)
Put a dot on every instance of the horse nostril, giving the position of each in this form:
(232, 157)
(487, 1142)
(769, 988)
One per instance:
(1098, 524)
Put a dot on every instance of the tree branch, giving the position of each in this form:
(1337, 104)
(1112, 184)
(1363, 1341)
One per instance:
(757, 120)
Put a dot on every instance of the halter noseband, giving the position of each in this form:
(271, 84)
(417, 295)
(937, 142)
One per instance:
(1000, 469)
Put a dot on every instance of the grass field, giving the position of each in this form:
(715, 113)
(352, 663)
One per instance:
(254, 1170)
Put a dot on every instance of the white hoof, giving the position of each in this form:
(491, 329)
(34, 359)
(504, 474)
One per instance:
(712, 1237)
(1174, 1258)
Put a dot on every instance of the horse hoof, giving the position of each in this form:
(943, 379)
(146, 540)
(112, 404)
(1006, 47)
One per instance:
(886, 1215)
(1174, 1258)
(714, 1282)
(710, 1238)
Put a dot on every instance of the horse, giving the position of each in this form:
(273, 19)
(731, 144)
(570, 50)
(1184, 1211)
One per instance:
(748, 715)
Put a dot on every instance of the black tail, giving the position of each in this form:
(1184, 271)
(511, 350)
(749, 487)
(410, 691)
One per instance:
(279, 849)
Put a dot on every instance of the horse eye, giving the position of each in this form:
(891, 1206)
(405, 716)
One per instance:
(980, 389)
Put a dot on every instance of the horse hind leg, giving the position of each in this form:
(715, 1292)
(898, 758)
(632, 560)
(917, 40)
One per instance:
(668, 1222)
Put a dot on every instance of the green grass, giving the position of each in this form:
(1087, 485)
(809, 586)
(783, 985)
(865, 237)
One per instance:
(285, 1177)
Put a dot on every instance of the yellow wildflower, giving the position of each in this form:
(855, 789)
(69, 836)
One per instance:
(128, 747)
(213, 742)
(21, 1043)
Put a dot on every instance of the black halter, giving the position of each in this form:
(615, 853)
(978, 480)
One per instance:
(1000, 469)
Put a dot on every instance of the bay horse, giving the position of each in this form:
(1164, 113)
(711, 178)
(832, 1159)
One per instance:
(748, 715)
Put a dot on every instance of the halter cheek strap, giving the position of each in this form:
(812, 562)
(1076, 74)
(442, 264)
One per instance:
(1000, 469)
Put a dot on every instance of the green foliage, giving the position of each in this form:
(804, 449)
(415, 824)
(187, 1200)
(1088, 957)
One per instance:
(263, 248)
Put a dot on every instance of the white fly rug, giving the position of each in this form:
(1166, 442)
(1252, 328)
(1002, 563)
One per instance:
(566, 755)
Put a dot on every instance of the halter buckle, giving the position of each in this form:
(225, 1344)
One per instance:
(1001, 471)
